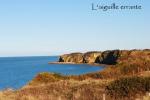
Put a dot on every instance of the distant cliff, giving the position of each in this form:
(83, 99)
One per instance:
(106, 57)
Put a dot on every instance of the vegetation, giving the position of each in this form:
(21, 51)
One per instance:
(65, 88)
(60, 90)
(128, 87)
(46, 77)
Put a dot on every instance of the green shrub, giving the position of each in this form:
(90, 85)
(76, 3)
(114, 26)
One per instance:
(129, 86)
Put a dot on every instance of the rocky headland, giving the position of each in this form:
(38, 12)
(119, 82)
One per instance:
(109, 57)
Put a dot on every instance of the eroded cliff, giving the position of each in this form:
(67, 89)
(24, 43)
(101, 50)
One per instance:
(106, 57)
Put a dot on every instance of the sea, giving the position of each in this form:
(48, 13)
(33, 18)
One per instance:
(15, 72)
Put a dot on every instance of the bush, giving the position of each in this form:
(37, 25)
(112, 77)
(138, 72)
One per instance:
(46, 77)
(129, 86)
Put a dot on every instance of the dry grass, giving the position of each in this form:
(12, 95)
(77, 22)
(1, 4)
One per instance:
(61, 90)
(128, 87)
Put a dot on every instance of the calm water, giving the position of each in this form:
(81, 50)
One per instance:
(15, 72)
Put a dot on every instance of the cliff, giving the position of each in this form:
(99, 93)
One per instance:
(72, 58)
(106, 57)
(90, 57)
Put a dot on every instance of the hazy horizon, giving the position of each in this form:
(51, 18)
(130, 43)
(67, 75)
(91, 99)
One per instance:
(45, 28)
(64, 53)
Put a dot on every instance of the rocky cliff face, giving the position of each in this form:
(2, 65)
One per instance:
(90, 57)
(106, 57)
(72, 58)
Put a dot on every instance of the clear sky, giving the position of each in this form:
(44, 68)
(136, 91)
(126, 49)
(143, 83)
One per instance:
(53, 27)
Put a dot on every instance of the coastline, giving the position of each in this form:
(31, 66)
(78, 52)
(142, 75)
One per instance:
(132, 67)
(72, 63)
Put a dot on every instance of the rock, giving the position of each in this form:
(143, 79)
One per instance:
(90, 57)
(108, 57)
(72, 58)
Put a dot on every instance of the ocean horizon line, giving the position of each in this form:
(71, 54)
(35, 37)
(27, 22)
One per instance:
(29, 56)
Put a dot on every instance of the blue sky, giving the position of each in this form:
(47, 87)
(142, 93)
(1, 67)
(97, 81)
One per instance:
(53, 27)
